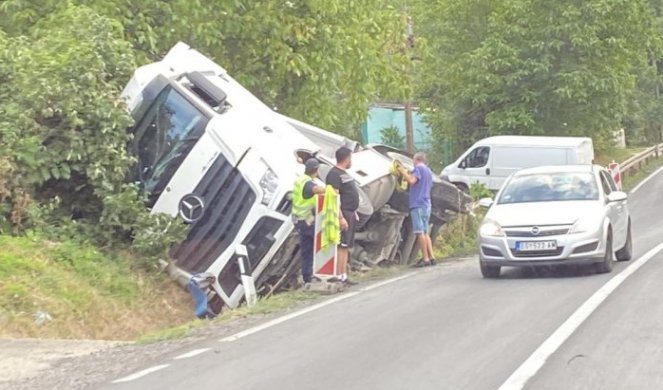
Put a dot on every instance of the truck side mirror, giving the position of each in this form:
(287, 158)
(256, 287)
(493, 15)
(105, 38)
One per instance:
(463, 164)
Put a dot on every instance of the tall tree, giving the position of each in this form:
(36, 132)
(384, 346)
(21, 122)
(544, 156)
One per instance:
(321, 61)
(533, 66)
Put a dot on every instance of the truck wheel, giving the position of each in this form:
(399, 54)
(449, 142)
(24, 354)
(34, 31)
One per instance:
(446, 196)
(400, 202)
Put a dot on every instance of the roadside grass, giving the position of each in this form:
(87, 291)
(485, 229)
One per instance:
(629, 182)
(458, 237)
(618, 155)
(378, 273)
(273, 304)
(70, 290)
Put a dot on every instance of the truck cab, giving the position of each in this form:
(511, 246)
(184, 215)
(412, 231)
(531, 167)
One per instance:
(213, 154)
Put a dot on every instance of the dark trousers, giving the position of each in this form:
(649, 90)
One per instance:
(306, 236)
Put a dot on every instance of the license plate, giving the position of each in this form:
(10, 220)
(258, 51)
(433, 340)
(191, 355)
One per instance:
(533, 246)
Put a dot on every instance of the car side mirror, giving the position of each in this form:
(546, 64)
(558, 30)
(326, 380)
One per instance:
(486, 203)
(617, 196)
(463, 164)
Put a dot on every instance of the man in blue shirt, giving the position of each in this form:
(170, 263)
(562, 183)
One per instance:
(421, 184)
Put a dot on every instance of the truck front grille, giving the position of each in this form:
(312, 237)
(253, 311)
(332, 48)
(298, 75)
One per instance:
(228, 198)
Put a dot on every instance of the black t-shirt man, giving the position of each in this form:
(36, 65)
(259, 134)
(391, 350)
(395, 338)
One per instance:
(345, 184)
(346, 187)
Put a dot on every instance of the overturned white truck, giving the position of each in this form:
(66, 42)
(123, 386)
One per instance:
(213, 154)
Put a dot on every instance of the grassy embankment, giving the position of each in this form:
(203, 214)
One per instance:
(86, 294)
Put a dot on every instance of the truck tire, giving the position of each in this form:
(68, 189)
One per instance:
(446, 196)
(400, 201)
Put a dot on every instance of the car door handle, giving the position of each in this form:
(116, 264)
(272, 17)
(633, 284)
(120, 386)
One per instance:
(487, 171)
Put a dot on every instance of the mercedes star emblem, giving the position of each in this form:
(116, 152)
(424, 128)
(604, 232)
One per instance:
(191, 208)
(535, 230)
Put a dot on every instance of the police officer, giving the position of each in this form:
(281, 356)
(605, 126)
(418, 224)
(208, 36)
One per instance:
(303, 213)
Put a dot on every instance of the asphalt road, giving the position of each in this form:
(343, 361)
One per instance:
(447, 328)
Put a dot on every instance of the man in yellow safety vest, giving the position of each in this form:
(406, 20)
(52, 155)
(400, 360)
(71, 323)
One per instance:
(303, 213)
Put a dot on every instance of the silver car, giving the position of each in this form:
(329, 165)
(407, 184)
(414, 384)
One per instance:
(554, 216)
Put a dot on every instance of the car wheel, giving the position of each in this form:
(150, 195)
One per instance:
(626, 252)
(606, 265)
(490, 271)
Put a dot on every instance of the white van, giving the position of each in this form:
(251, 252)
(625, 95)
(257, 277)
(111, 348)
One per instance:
(491, 160)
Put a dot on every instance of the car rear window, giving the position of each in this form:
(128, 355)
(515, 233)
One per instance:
(550, 188)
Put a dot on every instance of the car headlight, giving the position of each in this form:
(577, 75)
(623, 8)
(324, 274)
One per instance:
(269, 184)
(491, 229)
(583, 226)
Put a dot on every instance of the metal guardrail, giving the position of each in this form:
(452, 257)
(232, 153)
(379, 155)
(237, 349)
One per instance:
(633, 164)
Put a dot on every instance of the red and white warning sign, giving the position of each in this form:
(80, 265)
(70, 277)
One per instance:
(324, 259)
(613, 167)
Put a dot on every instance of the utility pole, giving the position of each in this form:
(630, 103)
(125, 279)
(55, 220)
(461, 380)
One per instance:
(409, 131)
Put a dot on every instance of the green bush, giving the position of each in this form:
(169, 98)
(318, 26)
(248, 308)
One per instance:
(392, 136)
(458, 237)
(63, 133)
(479, 191)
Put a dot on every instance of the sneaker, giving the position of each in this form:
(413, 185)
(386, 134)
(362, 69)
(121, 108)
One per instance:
(422, 263)
(349, 282)
(432, 262)
(333, 279)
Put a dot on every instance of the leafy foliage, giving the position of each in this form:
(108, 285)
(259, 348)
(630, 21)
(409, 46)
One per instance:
(479, 191)
(63, 127)
(534, 66)
(322, 61)
(392, 136)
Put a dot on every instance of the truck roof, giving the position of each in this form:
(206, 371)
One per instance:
(526, 140)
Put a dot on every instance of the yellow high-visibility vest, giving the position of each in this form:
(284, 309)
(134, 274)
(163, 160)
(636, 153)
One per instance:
(302, 209)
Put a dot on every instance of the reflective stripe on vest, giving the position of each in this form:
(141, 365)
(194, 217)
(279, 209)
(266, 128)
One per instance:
(302, 208)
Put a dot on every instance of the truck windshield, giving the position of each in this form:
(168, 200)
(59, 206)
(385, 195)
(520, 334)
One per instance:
(164, 137)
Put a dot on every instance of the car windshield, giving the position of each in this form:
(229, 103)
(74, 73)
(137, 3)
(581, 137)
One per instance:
(554, 187)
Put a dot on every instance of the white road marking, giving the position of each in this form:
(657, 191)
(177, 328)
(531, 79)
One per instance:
(533, 364)
(385, 282)
(309, 309)
(287, 317)
(634, 190)
(190, 354)
(141, 374)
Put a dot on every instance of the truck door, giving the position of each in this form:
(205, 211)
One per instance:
(476, 166)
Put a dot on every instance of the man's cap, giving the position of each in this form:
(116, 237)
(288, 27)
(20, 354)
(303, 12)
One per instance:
(312, 164)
